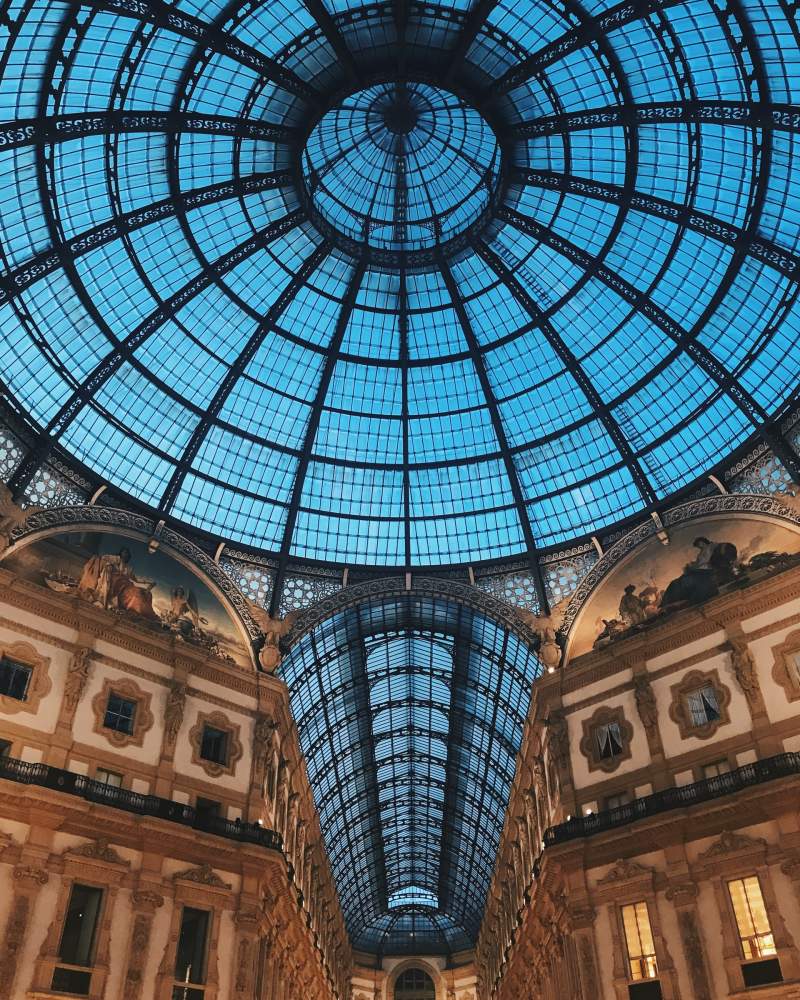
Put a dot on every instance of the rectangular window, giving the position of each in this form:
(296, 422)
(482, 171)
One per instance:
(715, 769)
(5, 748)
(755, 933)
(120, 714)
(609, 741)
(77, 941)
(639, 940)
(207, 807)
(615, 801)
(703, 705)
(214, 746)
(190, 957)
(14, 678)
(108, 777)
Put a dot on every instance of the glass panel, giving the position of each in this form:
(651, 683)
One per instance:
(703, 705)
(639, 940)
(120, 714)
(609, 740)
(414, 984)
(214, 745)
(190, 958)
(80, 923)
(755, 933)
(110, 778)
(14, 679)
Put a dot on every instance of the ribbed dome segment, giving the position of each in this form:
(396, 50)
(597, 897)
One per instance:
(400, 285)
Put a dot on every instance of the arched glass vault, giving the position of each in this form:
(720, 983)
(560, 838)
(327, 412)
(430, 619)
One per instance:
(410, 712)
(399, 284)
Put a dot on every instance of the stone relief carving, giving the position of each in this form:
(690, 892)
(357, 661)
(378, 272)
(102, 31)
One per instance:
(273, 630)
(558, 738)
(693, 949)
(14, 940)
(98, 850)
(730, 842)
(140, 940)
(648, 710)
(744, 670)
(173, 712)
(624, 870)
(77, 677)
(203, 875)
(12, 516)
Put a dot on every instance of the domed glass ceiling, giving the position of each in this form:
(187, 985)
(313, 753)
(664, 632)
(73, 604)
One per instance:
(400, 284)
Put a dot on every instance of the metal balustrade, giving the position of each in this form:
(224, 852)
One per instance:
(80, 785)
(768, 769)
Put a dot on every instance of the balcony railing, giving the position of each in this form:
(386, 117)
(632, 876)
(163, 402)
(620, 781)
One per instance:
(46, 776)
(769, 769)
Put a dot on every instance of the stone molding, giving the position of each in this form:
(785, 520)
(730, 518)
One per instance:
(679, 708)
(235, 749)
(143, 718)
(39, 685)
(588, 746)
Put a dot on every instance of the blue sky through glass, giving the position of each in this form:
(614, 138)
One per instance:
(176, 317)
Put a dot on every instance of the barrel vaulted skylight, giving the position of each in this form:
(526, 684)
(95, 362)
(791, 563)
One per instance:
(410, 713)
(401, 284)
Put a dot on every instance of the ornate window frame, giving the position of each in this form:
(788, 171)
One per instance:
(604, 716)
(736, 855)
(235, 750)
(626, 883)
(679, 710)
(784, 673)
(142, 722)
(99, 865)
(40, 683)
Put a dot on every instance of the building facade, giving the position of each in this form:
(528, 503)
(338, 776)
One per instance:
(652, 843)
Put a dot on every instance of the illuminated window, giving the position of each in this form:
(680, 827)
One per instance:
(639, 940)
(755, 934)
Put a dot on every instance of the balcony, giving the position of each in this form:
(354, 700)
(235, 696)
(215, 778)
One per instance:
(781, 766)
(79, 785)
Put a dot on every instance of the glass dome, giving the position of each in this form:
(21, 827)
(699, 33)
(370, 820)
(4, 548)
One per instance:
(402, 284)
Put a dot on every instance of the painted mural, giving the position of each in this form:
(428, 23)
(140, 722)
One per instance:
(702, 559)
(124, 578)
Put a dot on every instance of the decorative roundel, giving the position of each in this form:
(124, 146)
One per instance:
(399, 285)
(401, 166)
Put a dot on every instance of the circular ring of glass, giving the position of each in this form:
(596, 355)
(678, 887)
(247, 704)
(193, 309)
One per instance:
(401, 166)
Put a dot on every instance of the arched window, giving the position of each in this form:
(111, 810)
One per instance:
(414, 984)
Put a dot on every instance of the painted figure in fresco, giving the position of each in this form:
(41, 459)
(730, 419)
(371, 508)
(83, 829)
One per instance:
(612, 628)
(713, 566)
(184, 613)
(650, 600)
(630, 607)
(109, 580)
